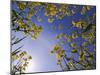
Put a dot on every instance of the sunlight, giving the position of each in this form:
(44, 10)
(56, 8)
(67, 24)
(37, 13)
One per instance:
(32, 66)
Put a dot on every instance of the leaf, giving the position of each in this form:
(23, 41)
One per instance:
(68, 13)
(85, 52)
(21, 5)
(39, 19)
(84, 44)
(21, 24)
(34, 37)
(58, 56)
(88, 28)
(89, 7)
(46, 14)
(74, 35)
(29, 15)
(73, 45)
(61, 52)
(39, 28)
(73, 22)
(57, 48)
(53, 13)
(15, 57)
(25, 65)
(24, 53)
(82, 56)
(32, 4)
(61, 35)
(51, 10)
(58, 62)
(69, 38)
(73, 51)
(15, 52)
(57, 36)
(29, 57)
(85, 49)
(73, 12)
(50, 19)
(83, 10)
(52, 52)
(80, 24)
(65, 36)
(90, 58)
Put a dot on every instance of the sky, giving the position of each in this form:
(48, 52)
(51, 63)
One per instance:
(39, 49)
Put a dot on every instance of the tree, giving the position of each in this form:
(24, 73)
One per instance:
(20, 59)
(86, 58)
(22, 23)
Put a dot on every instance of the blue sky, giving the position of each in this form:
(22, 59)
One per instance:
(40, 48)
